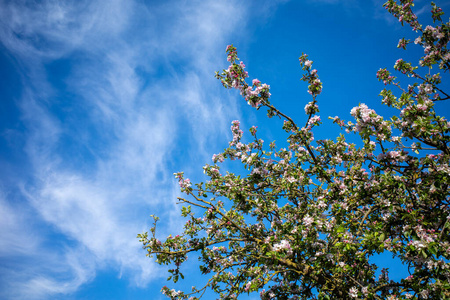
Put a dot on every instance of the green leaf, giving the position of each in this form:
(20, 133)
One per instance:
(432, 247)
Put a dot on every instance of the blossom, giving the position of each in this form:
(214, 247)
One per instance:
(174, 293)
(311, 108)
(424, 294)
(365, 291)
(290, 179)
(308, 220)
(284, 244)
(428, 89)
(353, 292)
(314, 120)
(185, 183)
(218, 158)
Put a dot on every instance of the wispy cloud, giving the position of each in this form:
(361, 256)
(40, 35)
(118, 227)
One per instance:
(75, 265)
(14, 229)
(28, 269)
(134, 84)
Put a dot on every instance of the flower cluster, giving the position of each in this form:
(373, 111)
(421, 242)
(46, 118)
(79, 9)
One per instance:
(234, 77)
(185, 184)
(434, 39)
(237, 132)
(315, 85)
(311, 108)
(403, 12)
(283, 245)
(385, 76)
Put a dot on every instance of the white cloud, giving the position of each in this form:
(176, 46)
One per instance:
(17, 235)
(51, 29)
(76, 266)
(28, 270)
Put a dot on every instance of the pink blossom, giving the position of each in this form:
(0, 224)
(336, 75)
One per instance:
(314, 120)
(308, 220)
(284, 244)
(311, 108)
(353, 292)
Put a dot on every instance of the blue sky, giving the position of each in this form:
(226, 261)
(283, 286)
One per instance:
(101, 102)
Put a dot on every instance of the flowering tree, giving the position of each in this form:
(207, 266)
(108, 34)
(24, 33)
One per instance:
(302, 222)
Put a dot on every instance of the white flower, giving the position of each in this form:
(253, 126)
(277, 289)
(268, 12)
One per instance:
(282, 245)
(381, 156)
(308, 220)
(365, 291)
(424, 294)
(353, 292)
(290, 179)
(314, 120)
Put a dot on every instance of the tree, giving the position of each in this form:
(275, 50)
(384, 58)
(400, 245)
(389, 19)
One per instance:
(303, 222)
